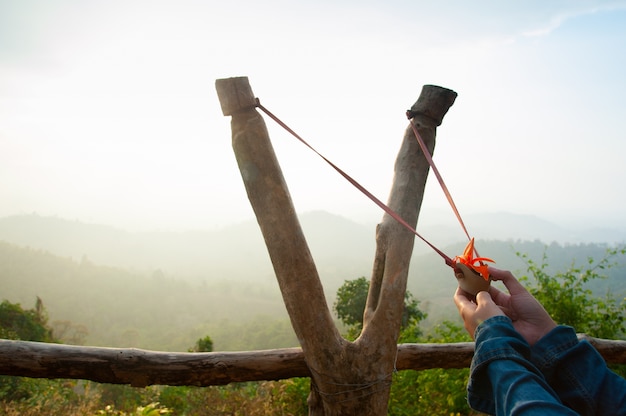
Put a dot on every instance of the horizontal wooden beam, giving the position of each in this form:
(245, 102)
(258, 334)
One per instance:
(142, 368)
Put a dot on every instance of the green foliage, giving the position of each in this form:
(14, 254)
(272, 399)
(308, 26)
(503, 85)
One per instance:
(568, 298)
(350, 304)
(24, 324)
(152, 409)
(285, 397)
(177, 398)
(52, 397)
(436, 391)
(125, 398)
(292, 396)
(35, 391)
(203, 345)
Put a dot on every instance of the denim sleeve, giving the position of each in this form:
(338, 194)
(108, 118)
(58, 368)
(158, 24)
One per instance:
(503, 381)
(579, 374)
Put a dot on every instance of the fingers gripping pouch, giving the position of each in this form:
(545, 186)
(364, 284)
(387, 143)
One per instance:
(471, 272)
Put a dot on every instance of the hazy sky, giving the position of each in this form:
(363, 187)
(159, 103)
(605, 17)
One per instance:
(108, 111)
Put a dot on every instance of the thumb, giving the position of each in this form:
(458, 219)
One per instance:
(483, 299)
(486, 304)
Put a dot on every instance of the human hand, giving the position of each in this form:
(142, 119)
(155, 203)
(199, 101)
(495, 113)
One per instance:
(475, 312)
(529, 317)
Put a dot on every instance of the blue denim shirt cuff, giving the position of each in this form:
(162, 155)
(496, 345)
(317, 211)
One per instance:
(579, 374)
(496, 339)
(547, 352)
(571, 371)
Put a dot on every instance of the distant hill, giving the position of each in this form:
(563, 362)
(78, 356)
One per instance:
(342, 249)
(214, 265)
(507, 226)
(236, 251)
(201, 253)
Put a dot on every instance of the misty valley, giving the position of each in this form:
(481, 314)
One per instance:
(163, 291)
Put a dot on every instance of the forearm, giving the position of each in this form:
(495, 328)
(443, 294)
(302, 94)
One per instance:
(522, 392)
(503, 381)
(578, 374)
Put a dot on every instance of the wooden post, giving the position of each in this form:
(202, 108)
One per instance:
(142, 368)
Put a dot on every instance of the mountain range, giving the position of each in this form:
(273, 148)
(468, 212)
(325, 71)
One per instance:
(117, 283)
(342, 248)
(329, 235)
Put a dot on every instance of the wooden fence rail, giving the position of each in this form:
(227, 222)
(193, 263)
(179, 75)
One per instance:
(142, 368)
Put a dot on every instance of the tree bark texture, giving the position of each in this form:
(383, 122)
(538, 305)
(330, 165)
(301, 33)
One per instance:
(347, 377)
(142, 368)
(394, 243)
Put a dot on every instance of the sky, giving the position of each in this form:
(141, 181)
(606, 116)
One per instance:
(109, 115)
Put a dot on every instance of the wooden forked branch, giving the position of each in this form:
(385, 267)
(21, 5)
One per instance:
(333, 361)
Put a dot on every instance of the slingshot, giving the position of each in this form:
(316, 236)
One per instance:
(469, 268)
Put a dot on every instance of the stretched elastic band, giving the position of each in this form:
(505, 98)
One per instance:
(357, 185)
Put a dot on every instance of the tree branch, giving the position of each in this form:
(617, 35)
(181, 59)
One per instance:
(394, 243)
(269, 196)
